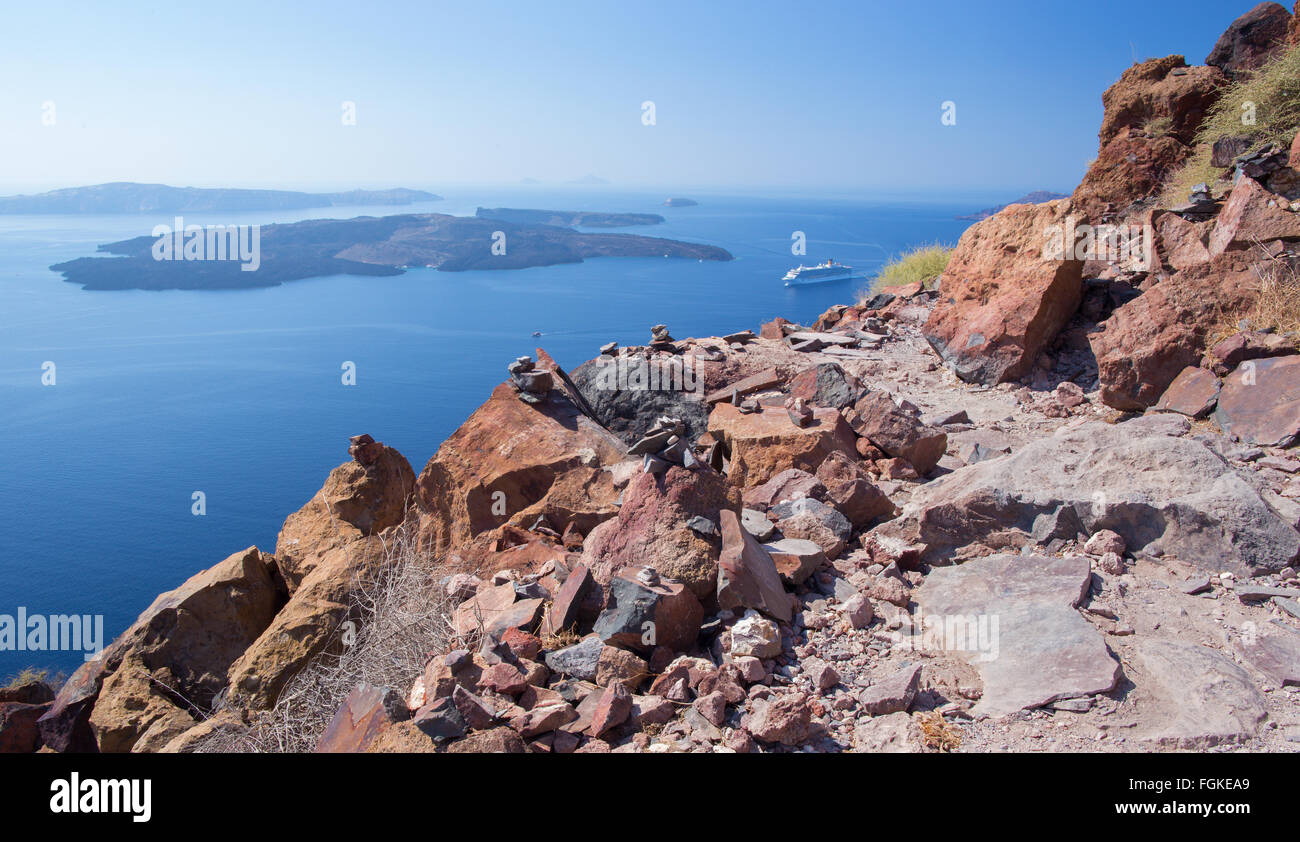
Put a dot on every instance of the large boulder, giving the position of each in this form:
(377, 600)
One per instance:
(900, 434)
(629, 393)
(331, 545)
(173, 659)
(762, 444)
(850, 489)
(511, 462)
(1252, 215)
(652, 528)
(1034, 647)
(358, 499)
(1260, 402)
(1251, 40)
(1148, 341)
(1160, 492)
(1003, 300)
(747, 574)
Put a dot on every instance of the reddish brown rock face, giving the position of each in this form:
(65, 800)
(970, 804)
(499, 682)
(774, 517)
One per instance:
(1182, 243)
(1128, 169)
(512, 461)
(1148, 341)
(747, 576)
(852, 492)
(1252, 215)
(1260, 402)
(651, 529)
(1001, 301)
(366, 713)
(899, 434)
(1192, 393)
(765, 443)
(1152, 91)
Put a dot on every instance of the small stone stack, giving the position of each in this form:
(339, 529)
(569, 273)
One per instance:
(660, 339)
(365, 450)
(530, 382)
(664, 444)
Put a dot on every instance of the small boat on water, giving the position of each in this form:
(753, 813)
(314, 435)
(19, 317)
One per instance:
(822, 273)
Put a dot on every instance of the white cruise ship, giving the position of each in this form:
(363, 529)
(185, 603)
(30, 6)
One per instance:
(819, 274)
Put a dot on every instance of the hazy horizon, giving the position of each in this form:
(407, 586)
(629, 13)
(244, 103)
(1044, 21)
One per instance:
(840, 98)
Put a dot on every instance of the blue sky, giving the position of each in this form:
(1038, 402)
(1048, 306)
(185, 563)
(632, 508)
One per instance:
(813, 96)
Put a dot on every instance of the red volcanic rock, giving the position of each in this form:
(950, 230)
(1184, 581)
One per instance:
(1247, 345)
(1260, 402)
(366, 712)
(765, 443)
(1129, 168)
(898, 433)
(826, 385)
(772, 329)
(1252, 215)
(511, 462)
(651, 529)
(1252, 39)
(1148, 341)
(614, 708)
(357, 500)
(1192, 393)
(1002, 301)
(1153, 91)
(186, 640)
(1182, 243)
(792, 484)
(747, 575)
(19, 731)
(564, 609)
(851, 490)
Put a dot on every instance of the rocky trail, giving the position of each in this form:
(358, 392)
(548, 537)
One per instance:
(1050, 504)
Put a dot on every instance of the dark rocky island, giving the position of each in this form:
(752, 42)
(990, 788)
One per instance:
(129, 197)
(367, 245)
(1035, 198)
(569, 219)
(680, 203)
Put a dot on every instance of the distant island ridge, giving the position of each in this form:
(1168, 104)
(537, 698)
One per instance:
(569, 219)
(1035, 198)
(681, 203)
(129, 197)
(370, 246)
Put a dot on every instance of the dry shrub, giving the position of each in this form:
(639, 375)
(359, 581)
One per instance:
(938, 733)
(1278, 307)
(402, 616)
(1271, 95)
(923, 263)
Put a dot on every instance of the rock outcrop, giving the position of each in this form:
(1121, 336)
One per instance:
(1002, 299)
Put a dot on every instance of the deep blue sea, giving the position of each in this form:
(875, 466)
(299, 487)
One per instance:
(239, 394)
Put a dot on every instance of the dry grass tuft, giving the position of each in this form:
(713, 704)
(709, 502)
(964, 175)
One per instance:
(403, 617)
(1271, 96)
(923, 263)
(937, 733)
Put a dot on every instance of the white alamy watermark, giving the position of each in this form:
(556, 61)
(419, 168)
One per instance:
(975, 633)
(635, 373)
(75, 794)
(241, 243)
(1128, 246)
(23, 632)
